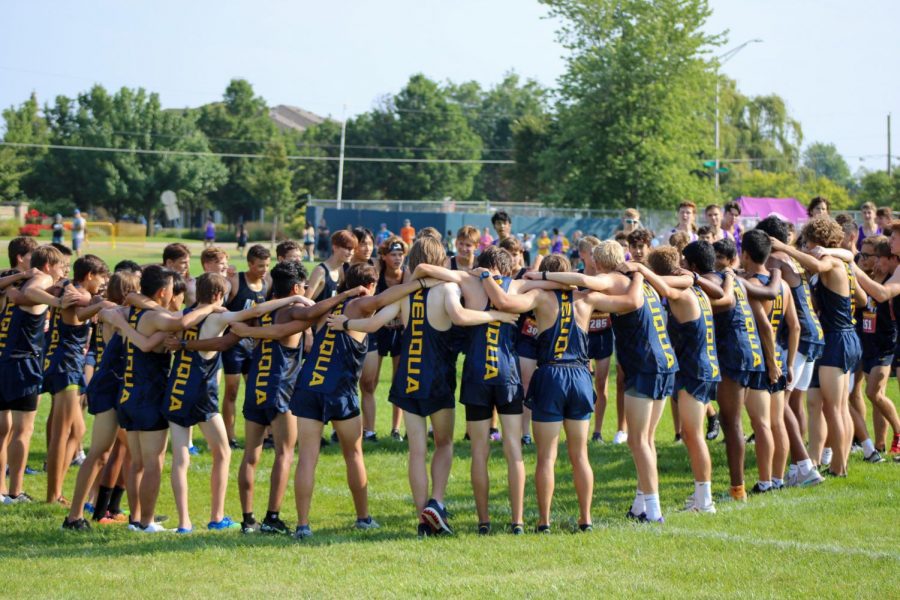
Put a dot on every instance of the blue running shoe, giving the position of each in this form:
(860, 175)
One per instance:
(437, 517)
(194, 451)
(184, 530)
(225, 523)
(30, 471)
(302, 532)
(88, 507)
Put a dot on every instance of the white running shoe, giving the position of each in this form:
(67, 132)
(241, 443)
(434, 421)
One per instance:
(792, 479)
(690, 505)
(4, 499)
(811, 479)
(154, 528)
(827, 453)
(620, 438)
(134, 527)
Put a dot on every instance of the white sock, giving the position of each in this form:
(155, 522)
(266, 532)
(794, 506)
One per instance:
(826, 456)
(776, 482)
(868, 447)
(637, 507)
(703, 493)
(805, 466)
(651, 503)
(764, 485)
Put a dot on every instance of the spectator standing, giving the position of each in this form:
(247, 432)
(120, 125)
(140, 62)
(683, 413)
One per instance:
(209, 235)
(883, 217)
(78, 232)
(730, 224)
(58, 229)
(407, 233)
(631, 220)
(817, 206)
(869, 227)
(383, 234)
(323, 242)
(486, 239)
(241, 238)
(714, 222)
(527, 245)
(309, 242)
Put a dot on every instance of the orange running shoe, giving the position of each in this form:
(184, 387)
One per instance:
(738, 493)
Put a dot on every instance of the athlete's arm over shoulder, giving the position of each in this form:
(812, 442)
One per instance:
(632, 300)
(258, 310)
(443, 273)
(514, 303)
(659, 283)
(114, 317)
(275, 331)
(97, 304)
(727, 300)
(212, 344)
(466, 318)
(367, 325)
(767, 337)
(757, 291)
(881, 292)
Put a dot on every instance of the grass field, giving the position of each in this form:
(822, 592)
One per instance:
(836, 540)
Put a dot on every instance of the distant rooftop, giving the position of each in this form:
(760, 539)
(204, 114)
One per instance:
(294, 117)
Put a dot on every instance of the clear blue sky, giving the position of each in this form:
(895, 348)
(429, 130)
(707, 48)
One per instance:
(836, 63)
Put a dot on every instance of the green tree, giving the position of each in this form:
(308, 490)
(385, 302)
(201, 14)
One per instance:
(824, 160)
(879, 188)
(270, 181)
(24, 125)
(635, 103)
(154, 151)
(240, 124)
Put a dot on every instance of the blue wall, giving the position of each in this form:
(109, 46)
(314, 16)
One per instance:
(338, 219)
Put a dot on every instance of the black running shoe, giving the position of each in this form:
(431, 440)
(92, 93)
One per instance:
(542, 529)
(324, 442)
(526, 440)
(466, 437)
(758, 490)
(76, 525)
(751, 439)
(253, 527)
(370, 436)
(874, 458)
(396, 436)
(334, 437)
(272, 526)
(517, 529)
(424, 530)
(437, 517)
(233, 444)
(597, 438)
(484, 528)
(585, 527)
(713, 428)
(269, 443)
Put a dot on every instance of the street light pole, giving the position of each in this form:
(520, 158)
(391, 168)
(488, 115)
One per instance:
(340, 181)
(724, 58)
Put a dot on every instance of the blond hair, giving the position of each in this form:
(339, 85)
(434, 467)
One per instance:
(608, 255)
(426, 250)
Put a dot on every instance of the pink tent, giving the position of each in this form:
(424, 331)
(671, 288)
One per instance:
(759, 208)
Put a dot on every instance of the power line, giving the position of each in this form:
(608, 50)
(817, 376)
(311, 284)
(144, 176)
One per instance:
(242, 155)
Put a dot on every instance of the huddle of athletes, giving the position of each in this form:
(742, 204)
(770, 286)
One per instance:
(695, 322)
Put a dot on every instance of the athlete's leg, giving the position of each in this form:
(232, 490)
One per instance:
(876, 387)
(836, 411)
(601, 384)
(798, 407)
(17, 449)
(676, 421)
(481, 451)
(730, 396)
(621, 424)
(818, 427)
(181, 459)
(879, 428)
(442, 422)
(515, 465)
(229, 403)
(577, 433)
(134, 476)
(310, 433)
(643, 415)
(217, 439)
(153, 455)
(284, 432)
(692, 413)
(857, 406)
(759, 407)
(396, 413)
(350, 436)
(527, 367)
(254, 433)
(417, 438)
(368, 381)
(64, 431)
(546, 438)
(781, 442)
(103, 436)
(5, 434)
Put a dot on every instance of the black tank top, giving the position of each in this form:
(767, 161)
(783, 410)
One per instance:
(246, 297)
(330, 287)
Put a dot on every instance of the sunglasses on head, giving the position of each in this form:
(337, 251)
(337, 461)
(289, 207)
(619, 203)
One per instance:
(631, 221)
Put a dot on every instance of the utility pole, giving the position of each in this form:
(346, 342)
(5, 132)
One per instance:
(724, 58)
(340, 181)
(889, 144)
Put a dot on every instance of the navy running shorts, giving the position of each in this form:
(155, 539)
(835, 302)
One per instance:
(326, 407)
(478, 393)
(388, 341)
(238, 359)
(57, 382)
(601, 344)
(842, 350)
(884, 360)
(656, 386)
(702, 391)
(559, 392)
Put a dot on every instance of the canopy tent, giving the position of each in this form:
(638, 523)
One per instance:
(788, 209)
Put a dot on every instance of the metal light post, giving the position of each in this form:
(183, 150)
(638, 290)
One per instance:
(724, 58)
(340, 181)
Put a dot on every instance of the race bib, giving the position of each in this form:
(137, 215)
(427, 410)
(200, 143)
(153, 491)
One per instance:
(599, 322)
(529, 327)
(868, 324)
